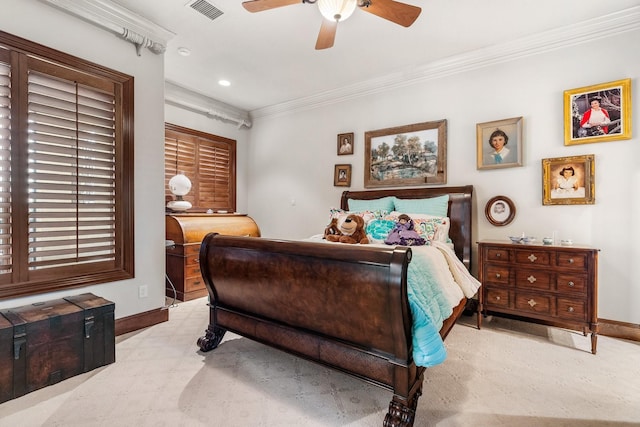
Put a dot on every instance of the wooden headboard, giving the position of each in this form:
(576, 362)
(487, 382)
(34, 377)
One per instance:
(460, 210)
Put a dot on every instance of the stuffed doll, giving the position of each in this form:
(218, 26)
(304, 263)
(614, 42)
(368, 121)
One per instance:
(350, 231)
(404, 234)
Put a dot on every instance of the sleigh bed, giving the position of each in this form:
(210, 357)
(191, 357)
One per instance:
(344, 306)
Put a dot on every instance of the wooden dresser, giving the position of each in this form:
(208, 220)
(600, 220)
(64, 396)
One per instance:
(549, 284)
(187, 231)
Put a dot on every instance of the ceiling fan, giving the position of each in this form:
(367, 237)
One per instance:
(335, 11)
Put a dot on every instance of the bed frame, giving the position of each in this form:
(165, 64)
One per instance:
(344, 306)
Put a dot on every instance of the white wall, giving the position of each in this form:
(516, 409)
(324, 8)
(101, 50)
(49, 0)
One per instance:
(60, 31)
(292, 156)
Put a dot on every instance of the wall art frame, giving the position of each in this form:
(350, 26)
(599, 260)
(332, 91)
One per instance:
(406, 155)
(500, 210)
(345, 143)
(614, 97)
(507, 130)
(342, 176)
(569, 180)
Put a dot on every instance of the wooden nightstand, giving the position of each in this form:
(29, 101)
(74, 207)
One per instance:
(548, 284)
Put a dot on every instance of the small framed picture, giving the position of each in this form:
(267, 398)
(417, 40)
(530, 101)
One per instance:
(342, 176)
(598, 113)
(345, 143)
(500, 210)
(499, 143)
(569, 180)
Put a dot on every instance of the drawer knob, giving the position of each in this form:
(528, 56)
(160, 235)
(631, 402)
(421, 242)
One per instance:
(532, 302)
(532, 258)
(570, 310)
(498, 255)
(497, 275)
(531, 279)
(571, 284)
(497, 298)
(570, 260)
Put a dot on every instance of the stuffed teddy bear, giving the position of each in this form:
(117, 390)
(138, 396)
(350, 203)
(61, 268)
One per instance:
(404, 234)
(350, 231)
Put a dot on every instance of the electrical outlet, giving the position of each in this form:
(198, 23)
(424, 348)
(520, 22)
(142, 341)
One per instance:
(143, 291)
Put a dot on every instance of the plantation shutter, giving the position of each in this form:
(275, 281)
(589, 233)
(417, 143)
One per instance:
(6, 259)
(214, 168)
(208, 161)
(71, 174)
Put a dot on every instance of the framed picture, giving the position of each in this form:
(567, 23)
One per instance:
(406, 155)
(499, 143)
(345, 143)
(342, 176)
(500, 210)
(598, 113)
(569, 180)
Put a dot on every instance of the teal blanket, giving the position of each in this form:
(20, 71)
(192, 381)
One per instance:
(431, 300)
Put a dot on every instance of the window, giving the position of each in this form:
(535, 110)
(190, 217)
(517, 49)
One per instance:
(66, 171)
(209, 161)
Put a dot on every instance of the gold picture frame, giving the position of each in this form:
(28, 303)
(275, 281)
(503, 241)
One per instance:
(406, 155)
(613, 97)
(345, 143)
(342, 176)
(507, 130)
(569, 180)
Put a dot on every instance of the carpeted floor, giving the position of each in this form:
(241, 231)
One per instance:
(509, 373)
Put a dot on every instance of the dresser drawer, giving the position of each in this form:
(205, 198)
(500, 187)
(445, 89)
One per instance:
(496, 274)
(572, 283)
(572, 309)
(574, 260)
(497, 254)
(497, 297)
(192, 270)
(534, 303)
(532, 257)
(193, 284)
(534, 279)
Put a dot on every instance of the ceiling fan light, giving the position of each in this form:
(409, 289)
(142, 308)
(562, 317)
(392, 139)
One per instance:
(337, 10)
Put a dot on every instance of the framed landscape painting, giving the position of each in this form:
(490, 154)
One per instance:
(406, 155)
(598, 113)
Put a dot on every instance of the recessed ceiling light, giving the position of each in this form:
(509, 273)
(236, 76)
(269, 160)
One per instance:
(224, 82)
(184, 51)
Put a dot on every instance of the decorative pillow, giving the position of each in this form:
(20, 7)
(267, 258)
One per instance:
(378, 229)
(341, 215)
(430, 227)
(382, 204)
(437, 206)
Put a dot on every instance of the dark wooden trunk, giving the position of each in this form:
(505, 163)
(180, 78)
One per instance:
(47, 342)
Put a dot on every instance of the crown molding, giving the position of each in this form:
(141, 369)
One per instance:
(119, 20)
(190, 100)
(560, 38)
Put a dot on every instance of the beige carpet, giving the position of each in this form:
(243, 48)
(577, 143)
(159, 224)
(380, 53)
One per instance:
(508, 374)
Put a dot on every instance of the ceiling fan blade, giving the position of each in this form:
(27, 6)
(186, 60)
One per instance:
(399, 13)
(260, 5)
(327, 34)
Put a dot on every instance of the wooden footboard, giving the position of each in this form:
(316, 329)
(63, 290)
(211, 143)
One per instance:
(343, 306)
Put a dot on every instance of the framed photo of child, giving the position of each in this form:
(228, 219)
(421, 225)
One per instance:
(569, 180)
(598, 113)
(345, 143)
(499, 143)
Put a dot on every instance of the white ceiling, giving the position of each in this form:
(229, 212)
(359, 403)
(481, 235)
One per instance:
(270, 59)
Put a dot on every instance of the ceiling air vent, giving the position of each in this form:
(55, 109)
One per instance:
(205, 8)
